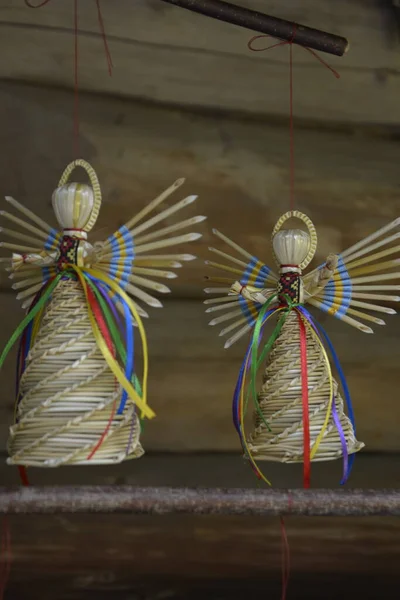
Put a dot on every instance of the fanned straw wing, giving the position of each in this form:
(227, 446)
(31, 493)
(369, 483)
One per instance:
(237, 314)
(362, 280)
(33, 257)
(128, 257)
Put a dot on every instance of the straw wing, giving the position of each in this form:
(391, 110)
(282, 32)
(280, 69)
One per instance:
(235, 311)
(33, 258)
(363, 279)
(131, 257)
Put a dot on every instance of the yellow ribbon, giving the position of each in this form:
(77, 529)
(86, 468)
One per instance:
(112, 363)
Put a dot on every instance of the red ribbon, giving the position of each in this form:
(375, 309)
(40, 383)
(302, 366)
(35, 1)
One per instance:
(304, 393)
(107, 338)
(23, 476)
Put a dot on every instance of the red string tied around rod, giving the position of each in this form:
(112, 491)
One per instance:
(291, 128)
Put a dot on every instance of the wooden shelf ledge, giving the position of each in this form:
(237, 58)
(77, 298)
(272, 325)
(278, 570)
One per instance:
(205, 501)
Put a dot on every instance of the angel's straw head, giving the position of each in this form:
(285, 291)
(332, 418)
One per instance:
(291, 246)
(74, 204)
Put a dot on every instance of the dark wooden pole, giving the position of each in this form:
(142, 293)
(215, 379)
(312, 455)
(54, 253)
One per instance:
(136, 500)
(256, 21)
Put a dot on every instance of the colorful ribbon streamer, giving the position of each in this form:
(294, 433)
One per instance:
(252, 362)
(102, 296)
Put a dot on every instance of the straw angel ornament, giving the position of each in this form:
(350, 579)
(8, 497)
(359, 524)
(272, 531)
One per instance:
(299, 412)
(79, 400)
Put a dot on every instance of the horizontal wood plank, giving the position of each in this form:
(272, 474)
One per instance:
(348, 184)
(166, 54)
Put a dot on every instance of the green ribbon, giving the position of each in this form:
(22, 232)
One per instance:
(29, 317)
(256, 360)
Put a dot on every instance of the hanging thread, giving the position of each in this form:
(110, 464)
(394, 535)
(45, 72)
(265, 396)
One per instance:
(104, 35)
(5, 555)
(285, 559)
(291, 129)
(76, 83)
(76, 120)
(291, 119)
(303, 337)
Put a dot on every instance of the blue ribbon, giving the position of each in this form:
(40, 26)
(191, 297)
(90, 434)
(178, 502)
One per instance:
(238, 387)
(129, 340)
(129, 335)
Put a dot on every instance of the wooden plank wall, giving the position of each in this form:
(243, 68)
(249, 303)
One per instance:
(165, 54)
(188, 99)
(348, 183)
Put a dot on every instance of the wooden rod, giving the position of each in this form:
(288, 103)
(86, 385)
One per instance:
(257, 21)
(137, 500)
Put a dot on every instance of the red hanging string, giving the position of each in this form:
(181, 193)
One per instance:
(104, 35)
(76, 83)
(291, 127)
(285, 559)
(304, 393)
(76, 122)
(5, 556)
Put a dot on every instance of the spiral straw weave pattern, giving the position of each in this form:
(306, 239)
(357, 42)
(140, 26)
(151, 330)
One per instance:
(68, 394)
(280, 402)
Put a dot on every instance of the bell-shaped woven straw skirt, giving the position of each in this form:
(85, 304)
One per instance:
(69, 398)
(280, 402)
